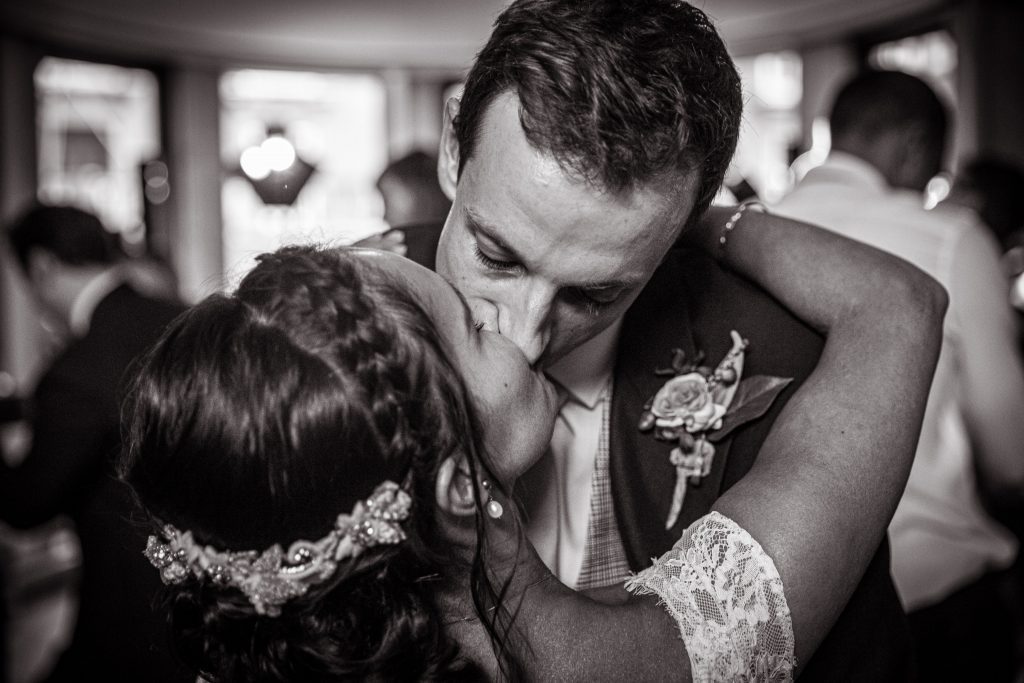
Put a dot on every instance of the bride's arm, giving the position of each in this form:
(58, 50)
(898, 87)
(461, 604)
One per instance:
(831, 471)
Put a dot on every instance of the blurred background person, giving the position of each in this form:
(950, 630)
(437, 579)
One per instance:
(75, 272)
(414, 204)
(950, 558)
(994, 189)
(411, 192)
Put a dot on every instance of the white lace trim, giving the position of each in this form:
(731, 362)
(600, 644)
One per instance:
(725, 593)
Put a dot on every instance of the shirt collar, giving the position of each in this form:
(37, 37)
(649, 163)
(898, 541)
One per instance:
(584, 372)
(851, 168)
(90, 297)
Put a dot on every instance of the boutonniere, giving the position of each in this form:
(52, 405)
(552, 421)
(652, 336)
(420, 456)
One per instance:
(699, 406)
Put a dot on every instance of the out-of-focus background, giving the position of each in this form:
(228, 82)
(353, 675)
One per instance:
(205, 132)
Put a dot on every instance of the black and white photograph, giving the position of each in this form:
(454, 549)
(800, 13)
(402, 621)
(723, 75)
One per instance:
(511, 340)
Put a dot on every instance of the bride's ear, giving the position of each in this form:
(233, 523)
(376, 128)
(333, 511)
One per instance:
(448, 154)
(454, 488)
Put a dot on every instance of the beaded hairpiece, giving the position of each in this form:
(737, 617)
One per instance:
(273, 577)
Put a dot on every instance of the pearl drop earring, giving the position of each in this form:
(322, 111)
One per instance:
(493, 507)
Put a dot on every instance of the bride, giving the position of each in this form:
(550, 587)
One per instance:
(327, 455)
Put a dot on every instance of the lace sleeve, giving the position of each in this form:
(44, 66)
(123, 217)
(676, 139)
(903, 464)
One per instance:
(726, 595)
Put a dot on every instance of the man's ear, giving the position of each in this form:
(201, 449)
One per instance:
(448, 155)
(454, 488)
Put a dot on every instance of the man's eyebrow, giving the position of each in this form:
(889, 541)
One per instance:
(479, 225)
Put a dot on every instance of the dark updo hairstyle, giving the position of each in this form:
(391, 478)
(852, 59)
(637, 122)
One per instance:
(257, 419)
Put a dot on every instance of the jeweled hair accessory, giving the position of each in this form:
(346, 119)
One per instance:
(273, 577)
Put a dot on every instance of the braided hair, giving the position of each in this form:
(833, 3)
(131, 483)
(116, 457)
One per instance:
(256, 419)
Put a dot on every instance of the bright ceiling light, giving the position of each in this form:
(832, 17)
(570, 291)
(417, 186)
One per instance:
(254, 163)
(278, 153)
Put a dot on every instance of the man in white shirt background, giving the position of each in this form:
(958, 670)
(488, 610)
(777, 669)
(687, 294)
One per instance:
(948, 555)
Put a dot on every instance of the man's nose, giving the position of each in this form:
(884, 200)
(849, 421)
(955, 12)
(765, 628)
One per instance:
(526, 320)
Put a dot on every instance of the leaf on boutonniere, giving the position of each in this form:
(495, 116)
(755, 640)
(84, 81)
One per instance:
(753, 398)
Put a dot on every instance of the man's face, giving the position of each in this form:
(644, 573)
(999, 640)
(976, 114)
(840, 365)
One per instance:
(543, 257)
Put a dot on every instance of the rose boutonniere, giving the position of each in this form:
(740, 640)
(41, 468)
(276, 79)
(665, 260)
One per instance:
(699, 406)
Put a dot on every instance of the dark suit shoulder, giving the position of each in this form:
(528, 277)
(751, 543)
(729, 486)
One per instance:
(720, 300)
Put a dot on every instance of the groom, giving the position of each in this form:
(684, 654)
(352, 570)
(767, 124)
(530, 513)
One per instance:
(589, 135)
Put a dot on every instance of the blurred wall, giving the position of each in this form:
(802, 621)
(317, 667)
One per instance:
(825, 68)
(415, 108)
(192, 147)
(991, 38)
(21, 336)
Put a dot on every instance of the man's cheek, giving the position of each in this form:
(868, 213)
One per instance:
(565, 337)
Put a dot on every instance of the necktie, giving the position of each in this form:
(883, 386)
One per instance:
(604, 559)
(567, 499)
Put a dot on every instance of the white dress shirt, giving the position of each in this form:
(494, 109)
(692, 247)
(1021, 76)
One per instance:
(941, 537)
(556, 491)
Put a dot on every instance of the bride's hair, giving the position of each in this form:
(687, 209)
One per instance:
(257, 419)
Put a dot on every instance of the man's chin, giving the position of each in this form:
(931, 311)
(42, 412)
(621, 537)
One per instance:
(552, 355)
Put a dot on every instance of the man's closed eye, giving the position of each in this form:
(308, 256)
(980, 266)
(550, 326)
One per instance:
(495, 264)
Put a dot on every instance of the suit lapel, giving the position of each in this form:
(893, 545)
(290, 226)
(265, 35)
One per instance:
(642, 477)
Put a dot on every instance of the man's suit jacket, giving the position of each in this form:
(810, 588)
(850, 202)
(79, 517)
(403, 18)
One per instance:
(692, 304)
(69, 471)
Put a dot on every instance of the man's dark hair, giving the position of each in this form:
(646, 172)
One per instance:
(620, 93)
(74, 236)
(878, 101)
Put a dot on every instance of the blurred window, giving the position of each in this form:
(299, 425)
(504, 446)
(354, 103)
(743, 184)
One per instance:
(929, 56)
(334, 123)
(96, 125)
(770, 129)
